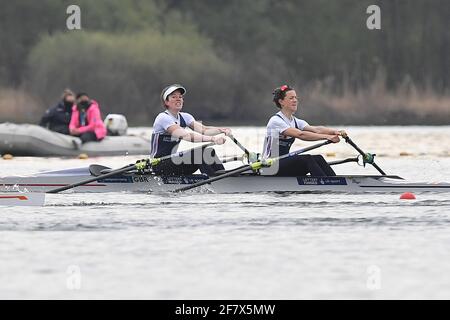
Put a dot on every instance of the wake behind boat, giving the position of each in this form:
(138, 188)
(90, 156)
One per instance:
(134, 181)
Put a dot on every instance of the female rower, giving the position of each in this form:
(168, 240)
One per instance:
(170, 127)
(282, 130)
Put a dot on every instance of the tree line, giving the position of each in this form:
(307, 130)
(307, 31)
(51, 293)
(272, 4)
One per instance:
(231, 54)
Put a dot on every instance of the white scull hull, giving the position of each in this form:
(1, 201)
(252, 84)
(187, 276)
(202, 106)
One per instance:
(246, 183)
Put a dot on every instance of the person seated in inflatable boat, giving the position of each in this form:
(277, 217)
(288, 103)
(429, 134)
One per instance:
(58, 117)
(86, 121)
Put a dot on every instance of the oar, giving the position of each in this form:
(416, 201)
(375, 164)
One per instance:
(252, 166)
(239, 145)
(251, 156)
(367, 157)
(231, 159)
(332, 163)
(139, 165)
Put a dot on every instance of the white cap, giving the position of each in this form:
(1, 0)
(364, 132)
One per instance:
(170, 89)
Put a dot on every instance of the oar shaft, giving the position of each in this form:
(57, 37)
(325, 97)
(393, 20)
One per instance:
(181, 153)
(231, 159)
(378, 168)
(254, 166)
(240, 145)
(349, 141)
(106, 175)
(293, 153)
(124, 169)
(154, 162)
(225, 175)
(332, 163)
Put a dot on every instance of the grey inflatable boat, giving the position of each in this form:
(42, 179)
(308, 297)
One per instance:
(33, 140)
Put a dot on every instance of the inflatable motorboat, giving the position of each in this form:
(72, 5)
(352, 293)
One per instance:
(33, 140)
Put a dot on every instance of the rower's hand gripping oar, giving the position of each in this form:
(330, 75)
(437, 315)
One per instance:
(367, 157)
(252, 166)
(139, 165)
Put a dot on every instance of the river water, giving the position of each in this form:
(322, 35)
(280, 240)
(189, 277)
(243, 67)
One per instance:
(253, 246)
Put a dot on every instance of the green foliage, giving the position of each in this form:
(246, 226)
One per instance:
(21, 24)
(230, 54)
(126, 73)
(119, 15)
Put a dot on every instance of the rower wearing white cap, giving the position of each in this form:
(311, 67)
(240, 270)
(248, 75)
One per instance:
(170, 127)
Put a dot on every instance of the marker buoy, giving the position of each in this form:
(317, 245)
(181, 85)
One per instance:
(408, 196)
(83, 156)
(7, 156)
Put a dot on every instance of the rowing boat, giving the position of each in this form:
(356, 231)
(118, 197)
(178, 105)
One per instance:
(135, 181)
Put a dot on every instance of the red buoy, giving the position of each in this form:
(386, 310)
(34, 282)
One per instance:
(408, 196)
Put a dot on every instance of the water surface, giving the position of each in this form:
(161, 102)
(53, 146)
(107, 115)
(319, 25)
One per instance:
(252, 246)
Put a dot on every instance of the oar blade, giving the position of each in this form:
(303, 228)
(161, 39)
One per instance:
(22, 199)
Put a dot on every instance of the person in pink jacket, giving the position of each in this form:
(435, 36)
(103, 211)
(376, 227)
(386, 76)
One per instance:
(86, 121)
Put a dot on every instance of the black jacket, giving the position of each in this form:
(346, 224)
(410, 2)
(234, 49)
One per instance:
(57, 118)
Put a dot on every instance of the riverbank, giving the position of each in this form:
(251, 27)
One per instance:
(318, 105)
